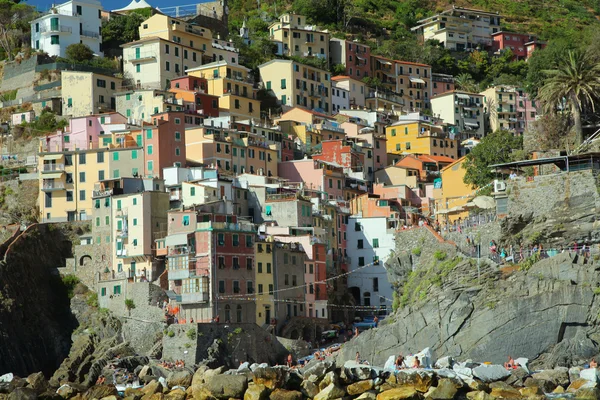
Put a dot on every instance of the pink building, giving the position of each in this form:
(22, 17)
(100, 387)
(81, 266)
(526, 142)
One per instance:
(83, 132)
(164, 142)
(441, 83)
(326, 178)
(534, 45)
(355, 56)
(521, 44)
(526, 111)
(376, 142)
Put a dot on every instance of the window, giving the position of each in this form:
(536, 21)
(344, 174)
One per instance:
(260, 288)
(138, 68)
(82, 158)
(375, 243)
(270, 288)
(259, 267)
(360, 244)
(101, 83)
(221, 262)
(407, 145)
(236, 286)
(361, 261)
(286, 280)
(221, 239)
(69, 195)
(248, 263)
(101, 175)
(167, 66)
(283, 84)
(82, 195)
(236, 239)
(221, 287)
(82, 177)
(150, 149)
(117, 289)
(236, 263)
(376, 284)
(268, 268)
(115, 156)
(394, 132)
(177, 151)
(178, 136)
(54, 39)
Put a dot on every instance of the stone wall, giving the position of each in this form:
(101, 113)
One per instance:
(484, 233)
(90, 260)
(17, 75)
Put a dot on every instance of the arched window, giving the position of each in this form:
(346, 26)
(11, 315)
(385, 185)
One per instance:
(227, 313)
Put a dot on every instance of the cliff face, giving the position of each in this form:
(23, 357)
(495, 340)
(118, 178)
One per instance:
(35, 320)
(549, 310)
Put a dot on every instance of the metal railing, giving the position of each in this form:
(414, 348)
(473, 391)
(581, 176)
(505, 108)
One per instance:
(49, 185)
(66, 29)
(53, 167)
(91, 34)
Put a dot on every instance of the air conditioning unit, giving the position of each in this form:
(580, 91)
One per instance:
(499, 186)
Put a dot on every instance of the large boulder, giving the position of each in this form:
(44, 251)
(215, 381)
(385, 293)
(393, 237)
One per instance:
(479, 395)
(444, 362)
(360, 387)
(400, 393)
(588, 393)
(309, 389)
(419, 379)
(37, 382)
(589, 374)
(49, 395)
(180, 378)
(272, 378)
(176, 394)
(328, 379)
(578, 384)
(316, 372)
(445, 390)
(282, 394)
(330, 392)
(557, 377)
(490, 373)
(100, 391)
(227, 386)
(501, 389)
(517, 377)
(256, 392)
(66, 391)
(358, 372)
(152, 387)
(23, 393)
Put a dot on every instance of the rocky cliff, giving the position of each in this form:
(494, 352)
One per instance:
(35, 320)
(548, 312)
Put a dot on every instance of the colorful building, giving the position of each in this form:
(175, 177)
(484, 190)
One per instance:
(500, 107)
(441, 83)
(519, 43)
(354, 90)
(86, 93)
(463, 110)
(297, 85)
(419, 136)
(454, 194)
(356, 57)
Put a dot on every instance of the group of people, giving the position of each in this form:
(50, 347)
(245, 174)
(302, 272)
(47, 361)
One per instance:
(400, 362)
(172, 365)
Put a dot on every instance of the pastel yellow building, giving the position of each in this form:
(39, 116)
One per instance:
(500, 106)
(176, 30)
(310, 127)
(265, 282)
(418, 137)
(294, 37)
(67, 179)
(86, 93)
(234, 86)
(297, 85)
(451, 198)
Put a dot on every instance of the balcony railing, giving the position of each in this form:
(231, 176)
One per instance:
(200, 297)
(50, 185)
(53, 168)
(91, 34)
(225, 226)
(143, 55)
(55, 29)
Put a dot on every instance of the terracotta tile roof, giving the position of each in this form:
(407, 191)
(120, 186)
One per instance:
(428, 158)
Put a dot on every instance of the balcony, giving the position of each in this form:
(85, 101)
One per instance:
(106, 192)
(225, 226)
(90, 34)
(394, 98)
(55, 29)
(53, 168)
(138, 57)
(200, 297)
(50, 186)
(176, 274)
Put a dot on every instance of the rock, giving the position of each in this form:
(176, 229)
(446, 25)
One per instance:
(398, 394)
(256, 392)
(135, 393)
(227, 386)
(530, 391)
(421, 380)
(49, 395)
(330, 392)
(328, 379)
(579, 383)
(112, 397)
(588, 393)
(445, 390)
(360, 387)
(66, 391)
(574, 373)
(589, 374)
(152, 387)
(23, 393)
(501, 389)
(517, 377)
(490, 373)
(176, 394)
(157, 396)
(282, 394)
(559, 390)
(100, 391)
(244, 367)
(198, 377)
(37, 382)
(358, 372)
(545, 386)
(179, 378)
(144, 371)
(557, 376)
(272, 378)
(477, 385)
(309, 389)
(316, 372)
(479, 395)
(7, 378)
(370, 395)
(444, 362)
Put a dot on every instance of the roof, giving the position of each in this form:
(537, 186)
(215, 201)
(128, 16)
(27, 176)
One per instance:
(318, 114)
(435, 159)
(564, 160)
(511, 33)
(458, 91)
(214, 64)
(135, 5)
(460, 160)
(412, 63)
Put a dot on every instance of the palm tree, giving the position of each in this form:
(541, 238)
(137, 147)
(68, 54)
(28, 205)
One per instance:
(465, 82)
(574, 82)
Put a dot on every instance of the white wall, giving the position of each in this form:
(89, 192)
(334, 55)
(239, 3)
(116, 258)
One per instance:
(340, 98)
(371, 228)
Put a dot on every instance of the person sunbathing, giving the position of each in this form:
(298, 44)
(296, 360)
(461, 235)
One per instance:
(510, 364)
(593, 363)
(416, 363)
(399, 362)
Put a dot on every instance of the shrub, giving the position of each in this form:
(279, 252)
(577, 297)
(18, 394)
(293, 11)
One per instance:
(191, 334)
(597, 290)
(170, 333)
(396, 301)
(439, 255)
(92, 299)
(79, 52)
(416, 251)
(70, 281)
(237, 331)
(130, 305)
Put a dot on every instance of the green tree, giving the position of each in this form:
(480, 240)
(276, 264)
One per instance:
(79, 52)
(129, 305)
(495, 148)
(120, 30)
(465, 82)
(14, 23)
(574, 82)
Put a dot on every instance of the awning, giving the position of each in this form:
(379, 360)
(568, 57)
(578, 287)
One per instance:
(471, 124)
(385, 62)
(176, 239)
(360, 58)
(54, 175)
(416, 80)
(390, 75)
(463, 96)
(52, 156)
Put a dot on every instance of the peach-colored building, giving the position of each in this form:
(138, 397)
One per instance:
(326, 178)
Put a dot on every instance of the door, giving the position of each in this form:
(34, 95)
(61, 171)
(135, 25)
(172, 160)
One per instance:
(137, 53)
(222, 191)
(267, 316)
